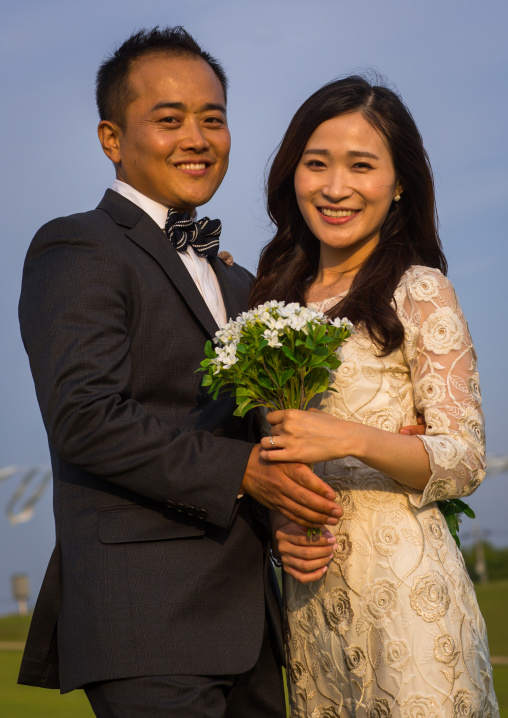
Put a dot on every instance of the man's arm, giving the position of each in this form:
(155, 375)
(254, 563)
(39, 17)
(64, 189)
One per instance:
(74, 312)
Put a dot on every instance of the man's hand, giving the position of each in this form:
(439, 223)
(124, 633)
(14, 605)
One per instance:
(304, 558)
(415, 430)
(291, 489)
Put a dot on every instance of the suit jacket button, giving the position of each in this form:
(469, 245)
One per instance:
(170, 504)
(180, 508)
(202, 514)
(191, 510)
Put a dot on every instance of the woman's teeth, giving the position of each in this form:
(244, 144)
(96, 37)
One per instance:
(338, 212)
(193, 166)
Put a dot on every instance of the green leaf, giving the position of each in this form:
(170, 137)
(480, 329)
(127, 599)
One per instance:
(309, 343)
(265, 382)
(285, 376)
(462, 507)
(209, 351)
(319, 333)
(243, 391)
(207, 380)
(242, 348)
(287, 351)
(243, 408)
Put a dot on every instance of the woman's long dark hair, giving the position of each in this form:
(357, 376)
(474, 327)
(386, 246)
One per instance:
(289, 262)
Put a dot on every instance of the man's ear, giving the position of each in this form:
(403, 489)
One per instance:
(109, 137)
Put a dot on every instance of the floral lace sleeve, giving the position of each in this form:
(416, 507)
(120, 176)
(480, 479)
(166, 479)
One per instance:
(445, 381)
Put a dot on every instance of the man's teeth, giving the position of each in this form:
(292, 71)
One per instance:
(193, 166)
(338, 212)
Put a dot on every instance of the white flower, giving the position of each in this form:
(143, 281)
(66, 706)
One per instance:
(344, 322)
(346, 373)
(396, 654)
(472, 426)
(379, 602)
(429, 596)
(429, 391)
(387, 419)
(423, 287)
(446, 649)
(433, 530)
(418, 706)
(437, 422)
(440, 489)
(442, 332)
(474, 387)
(447, 451)
(272, 336)
(386, 539)
(227, 355)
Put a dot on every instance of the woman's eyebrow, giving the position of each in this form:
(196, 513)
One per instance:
(351, 153)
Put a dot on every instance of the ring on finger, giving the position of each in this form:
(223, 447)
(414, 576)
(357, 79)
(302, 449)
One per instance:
(272, 441)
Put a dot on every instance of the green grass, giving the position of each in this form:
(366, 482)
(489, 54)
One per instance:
(14, 628)
(501, 686)
(493, 600)
(25, 702)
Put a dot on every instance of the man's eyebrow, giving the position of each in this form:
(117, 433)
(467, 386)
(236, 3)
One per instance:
(181, 106)
(351, 153)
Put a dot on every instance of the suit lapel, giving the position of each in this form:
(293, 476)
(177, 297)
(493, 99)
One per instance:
(233, 301)
(142, 230)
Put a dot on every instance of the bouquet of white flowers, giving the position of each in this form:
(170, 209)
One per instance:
(278, 356)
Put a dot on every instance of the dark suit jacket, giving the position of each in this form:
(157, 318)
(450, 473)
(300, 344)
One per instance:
(158, 568)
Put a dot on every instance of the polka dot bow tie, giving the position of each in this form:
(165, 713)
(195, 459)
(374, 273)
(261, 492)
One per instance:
(202, 235)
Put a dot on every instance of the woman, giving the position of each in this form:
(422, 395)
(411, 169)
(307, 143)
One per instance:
(391, 626)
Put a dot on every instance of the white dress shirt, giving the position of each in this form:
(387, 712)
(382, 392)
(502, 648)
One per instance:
(198, 267)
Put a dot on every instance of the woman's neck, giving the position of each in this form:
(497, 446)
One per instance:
(337, 269)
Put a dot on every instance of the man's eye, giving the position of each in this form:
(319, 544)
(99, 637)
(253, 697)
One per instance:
(219, 121)
(170, 120)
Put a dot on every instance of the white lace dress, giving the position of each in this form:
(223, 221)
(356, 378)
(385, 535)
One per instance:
(393, 629)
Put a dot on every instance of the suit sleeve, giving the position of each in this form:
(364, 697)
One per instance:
(73, 312)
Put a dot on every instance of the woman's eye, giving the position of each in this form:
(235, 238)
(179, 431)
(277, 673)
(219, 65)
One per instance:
(363, 165)
(315, 163)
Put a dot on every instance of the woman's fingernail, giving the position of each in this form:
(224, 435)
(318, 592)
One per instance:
(325, 569)
(331, 540)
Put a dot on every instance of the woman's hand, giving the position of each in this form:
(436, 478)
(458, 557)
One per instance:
(309, 437)
(303, 557)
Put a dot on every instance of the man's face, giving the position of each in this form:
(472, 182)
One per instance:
(175, 143)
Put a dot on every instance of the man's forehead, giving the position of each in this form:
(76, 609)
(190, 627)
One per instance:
(156, 67)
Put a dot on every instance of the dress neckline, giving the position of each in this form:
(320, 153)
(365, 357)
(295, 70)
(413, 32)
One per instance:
(325, 304)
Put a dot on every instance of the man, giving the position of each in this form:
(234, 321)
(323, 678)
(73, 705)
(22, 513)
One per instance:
(159, 596)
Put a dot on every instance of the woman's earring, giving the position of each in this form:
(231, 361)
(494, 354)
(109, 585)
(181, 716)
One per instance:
(396, 198)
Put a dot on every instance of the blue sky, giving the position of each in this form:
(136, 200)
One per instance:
(448, 59)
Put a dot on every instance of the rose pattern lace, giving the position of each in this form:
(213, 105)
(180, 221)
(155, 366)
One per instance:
(393, 630)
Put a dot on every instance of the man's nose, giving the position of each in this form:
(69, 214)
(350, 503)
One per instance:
(194, 138)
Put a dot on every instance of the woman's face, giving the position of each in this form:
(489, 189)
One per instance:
(345, 183)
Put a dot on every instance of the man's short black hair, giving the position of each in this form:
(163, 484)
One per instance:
(113, 92)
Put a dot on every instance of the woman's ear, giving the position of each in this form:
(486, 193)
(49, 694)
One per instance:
(399, 189)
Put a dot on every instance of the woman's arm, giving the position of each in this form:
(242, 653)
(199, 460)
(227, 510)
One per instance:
(448, 461)
(313, 436)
